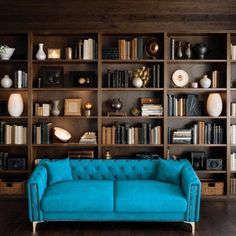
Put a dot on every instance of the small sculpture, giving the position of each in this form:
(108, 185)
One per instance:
(88, 106)
(116, 104)
(143, 74)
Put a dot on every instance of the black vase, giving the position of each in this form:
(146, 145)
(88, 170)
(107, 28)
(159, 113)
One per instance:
(116, 105)
(201, 50)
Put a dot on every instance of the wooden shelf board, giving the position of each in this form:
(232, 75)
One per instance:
(211, 171)
(13, 171)
(196, 89)
(61, 61)
(64, 89)
(197, 145)
(14, 118)
(131, 117)
(131, 89)
(132, 145)
(13, 61)
(64, 145)
(65, 117)
(176, 61)
(132, 61)
(196, 117)
(13, 145)
(13, 89)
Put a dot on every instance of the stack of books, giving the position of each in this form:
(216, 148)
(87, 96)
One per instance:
(233, 161)
(152, 110)
(233, 186)
(88, 138)
(182, 136)
(83, 154)
(42, 110)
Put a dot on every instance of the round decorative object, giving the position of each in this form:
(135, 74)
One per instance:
(205, 82)
(180, 78)
(116, 105)
(62, 134)
(15, 105)
(6, 81)
(214, 104)
(6, 52)
(152, 48)
(137, 82)
(135, 111)
(40, 55)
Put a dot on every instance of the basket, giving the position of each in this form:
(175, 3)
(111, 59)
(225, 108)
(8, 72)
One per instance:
(212, 188)
(12, 187)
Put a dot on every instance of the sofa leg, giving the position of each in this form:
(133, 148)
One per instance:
(192, 225)
(34, 223)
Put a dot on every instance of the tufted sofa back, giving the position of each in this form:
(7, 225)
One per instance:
(114, 169)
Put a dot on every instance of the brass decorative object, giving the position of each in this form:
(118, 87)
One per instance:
(142, 73)
(88, 106)
(152, 48)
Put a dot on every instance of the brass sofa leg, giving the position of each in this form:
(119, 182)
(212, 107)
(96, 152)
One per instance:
(192, 225)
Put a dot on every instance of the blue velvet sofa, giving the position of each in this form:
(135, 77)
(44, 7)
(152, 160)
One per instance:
(114, 190)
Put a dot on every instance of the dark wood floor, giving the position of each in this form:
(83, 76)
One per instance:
(217, 218)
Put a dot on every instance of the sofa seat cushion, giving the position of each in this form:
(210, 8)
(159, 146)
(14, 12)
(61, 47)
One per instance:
(79, 195)
(148, 196)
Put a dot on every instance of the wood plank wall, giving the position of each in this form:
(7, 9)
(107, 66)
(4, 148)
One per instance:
(118, 15)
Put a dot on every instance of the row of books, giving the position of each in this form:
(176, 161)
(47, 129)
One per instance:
(41, 133)
(233, 109)
(233, 186)
(12, 134)
(42, 110)
(152, 110)
(185, 105)
(87, 49)
(201, 133)
(20, 79)
(130, 49)
(233, 134)
(233, 161)
(122, 78)
(127, 134)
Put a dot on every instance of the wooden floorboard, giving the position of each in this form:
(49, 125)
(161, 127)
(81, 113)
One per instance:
(217, 218)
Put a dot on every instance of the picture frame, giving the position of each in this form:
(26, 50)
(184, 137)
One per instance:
(83, 79)
(54, 53)
(52, 76)
(72, 106)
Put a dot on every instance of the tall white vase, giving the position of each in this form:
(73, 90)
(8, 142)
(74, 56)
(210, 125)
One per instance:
(214, 104)
(40, 55)
(15, 105)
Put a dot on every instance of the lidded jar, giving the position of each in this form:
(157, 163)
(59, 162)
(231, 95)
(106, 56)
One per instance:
(205, 82)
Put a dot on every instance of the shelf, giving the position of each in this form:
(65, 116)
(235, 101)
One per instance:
(197, 89)
(13, 89)
(13, 171)
(131, 89)
(131, 117)
(197, 145)
(15, 61)
(64, 145)
(14, 118)
(132, 145)
(64, 89)
(197, 61)
(63, 61)
(13, 145)
(197, 117)
(139, 61)
(65, 117)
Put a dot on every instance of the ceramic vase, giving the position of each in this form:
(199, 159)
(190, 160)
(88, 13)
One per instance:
(55, 108)
(40, 55)
(214, 104)
(15, 105)
(6, 81)
(205, 82)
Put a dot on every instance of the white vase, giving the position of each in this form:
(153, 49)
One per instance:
(205, 82)
(214, 104)
(15, 105)
(55, 108)
(40, 55)
(6, 81)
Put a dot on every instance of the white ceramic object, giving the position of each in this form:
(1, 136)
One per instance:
(40, 55)
(137, 82)
(62, 134)
(205, 82)
(180, 78)
(6, 53)
(55, 108)
(15, 105)
(6, 81)
(214, 104)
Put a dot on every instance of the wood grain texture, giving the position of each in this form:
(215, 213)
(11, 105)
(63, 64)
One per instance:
(119, 15)
(14, 222)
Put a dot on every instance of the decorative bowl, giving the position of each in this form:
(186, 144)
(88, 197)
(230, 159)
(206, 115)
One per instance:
(6, 53)
(62, 134)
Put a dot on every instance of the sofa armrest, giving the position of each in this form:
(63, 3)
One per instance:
(36, 187)
(191, 187)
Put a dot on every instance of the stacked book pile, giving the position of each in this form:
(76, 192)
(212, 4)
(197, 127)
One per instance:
(152, 110)
(77, 154)
(182, 136)
(12, 134)
(233, 161)
(127, 134)
(88, 138)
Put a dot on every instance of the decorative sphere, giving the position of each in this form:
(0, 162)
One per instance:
(137, 82)
(116, 104)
